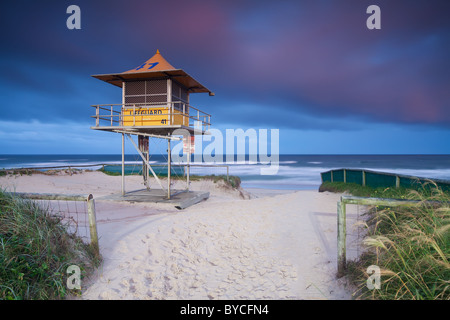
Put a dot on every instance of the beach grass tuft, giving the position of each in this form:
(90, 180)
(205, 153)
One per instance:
(35, 251)
(410, 245)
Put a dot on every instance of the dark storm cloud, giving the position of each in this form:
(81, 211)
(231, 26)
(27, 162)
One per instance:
(305, 58)
(327, 61)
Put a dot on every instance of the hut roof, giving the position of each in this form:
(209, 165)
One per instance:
(155, 68)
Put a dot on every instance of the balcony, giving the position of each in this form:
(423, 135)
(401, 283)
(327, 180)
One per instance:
(153, 119)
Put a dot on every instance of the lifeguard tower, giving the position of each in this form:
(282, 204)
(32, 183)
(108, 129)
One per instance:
(155, 103)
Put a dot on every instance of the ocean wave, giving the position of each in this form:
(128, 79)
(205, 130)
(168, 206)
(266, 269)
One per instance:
(232, 163)
(80, 165)
(237, 163)
(139, 162)
(69, 160)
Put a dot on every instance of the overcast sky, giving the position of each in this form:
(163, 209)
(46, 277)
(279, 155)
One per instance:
(311, 69)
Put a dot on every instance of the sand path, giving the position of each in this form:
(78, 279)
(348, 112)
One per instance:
(280, 247)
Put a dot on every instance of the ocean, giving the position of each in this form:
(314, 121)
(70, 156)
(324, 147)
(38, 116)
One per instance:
(295, 172)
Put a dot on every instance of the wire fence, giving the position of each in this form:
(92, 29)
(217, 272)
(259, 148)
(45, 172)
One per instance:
(73, 214)
(76, 212)
(342, 220)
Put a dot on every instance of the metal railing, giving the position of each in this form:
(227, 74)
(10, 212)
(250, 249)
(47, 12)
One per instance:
(113, 115)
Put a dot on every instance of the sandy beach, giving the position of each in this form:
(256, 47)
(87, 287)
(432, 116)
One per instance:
(238, 244)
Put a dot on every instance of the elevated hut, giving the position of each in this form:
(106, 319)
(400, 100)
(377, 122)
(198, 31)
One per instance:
(155, 103)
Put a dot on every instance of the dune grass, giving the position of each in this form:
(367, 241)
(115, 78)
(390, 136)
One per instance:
(410, 245)
(232, 181)
(35, 251)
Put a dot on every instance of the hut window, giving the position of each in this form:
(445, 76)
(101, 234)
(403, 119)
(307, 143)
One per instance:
(146, 92)
(179, 96)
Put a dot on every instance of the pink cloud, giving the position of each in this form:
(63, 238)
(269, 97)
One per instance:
(331, 62)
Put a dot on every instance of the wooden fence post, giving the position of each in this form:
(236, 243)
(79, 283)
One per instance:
(341, 238)
(363, 178)
(93, 223)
